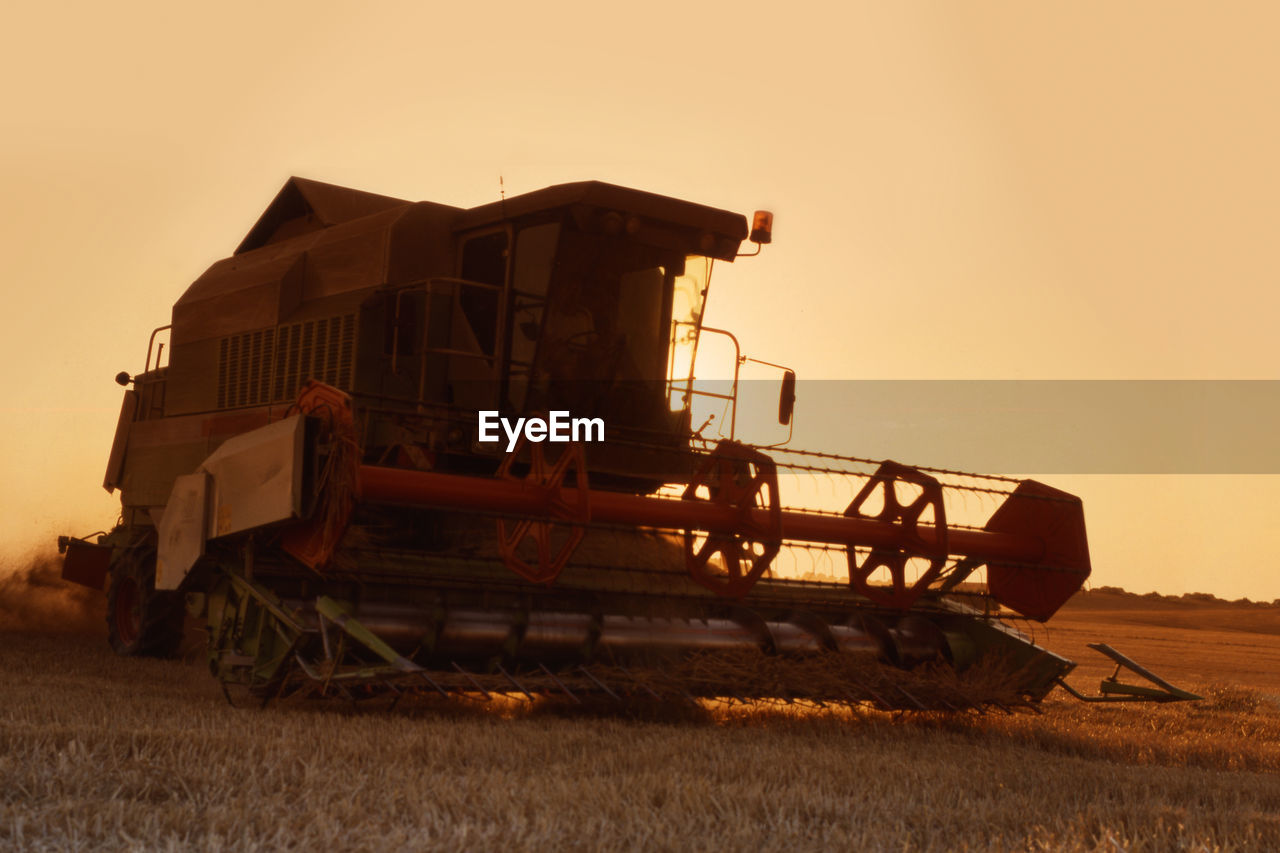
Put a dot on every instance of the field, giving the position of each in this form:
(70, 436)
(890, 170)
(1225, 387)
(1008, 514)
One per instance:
(98, 752)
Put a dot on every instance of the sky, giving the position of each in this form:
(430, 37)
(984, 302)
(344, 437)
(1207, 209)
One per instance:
(986, 190)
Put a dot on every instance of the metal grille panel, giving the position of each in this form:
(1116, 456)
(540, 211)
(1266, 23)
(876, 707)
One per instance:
(268, 366)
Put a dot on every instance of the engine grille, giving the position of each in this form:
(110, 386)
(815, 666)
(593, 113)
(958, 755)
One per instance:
(268, 365)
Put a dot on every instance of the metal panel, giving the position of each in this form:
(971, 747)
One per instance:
(257, 478)
(192, 377)
(270, 365)
(86, 563)
(164, 448)
(115, 462)
(182, 527)
(239, 299)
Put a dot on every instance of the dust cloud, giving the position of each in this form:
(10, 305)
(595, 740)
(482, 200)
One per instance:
(35, 598)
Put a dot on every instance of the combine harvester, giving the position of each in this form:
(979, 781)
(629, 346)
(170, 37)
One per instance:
(401, 447)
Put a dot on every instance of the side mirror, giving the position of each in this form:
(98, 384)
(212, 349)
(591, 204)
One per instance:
(123, 378)
(787, 399)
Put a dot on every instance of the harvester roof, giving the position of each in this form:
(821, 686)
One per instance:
(304, 205)
(722, 223)
(317, 241)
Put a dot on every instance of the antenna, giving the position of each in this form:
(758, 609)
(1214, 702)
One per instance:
(502, 196)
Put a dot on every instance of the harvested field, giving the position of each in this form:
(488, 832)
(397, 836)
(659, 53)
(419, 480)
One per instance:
(98, 752)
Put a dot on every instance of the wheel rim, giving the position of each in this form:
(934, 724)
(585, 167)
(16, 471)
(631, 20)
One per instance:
(128, 619)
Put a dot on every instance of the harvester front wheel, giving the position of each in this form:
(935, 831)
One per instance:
(141, 620)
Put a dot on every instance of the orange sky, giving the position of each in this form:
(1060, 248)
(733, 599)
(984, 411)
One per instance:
(1003, 192)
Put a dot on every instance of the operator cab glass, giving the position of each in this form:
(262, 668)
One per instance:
(603, 325)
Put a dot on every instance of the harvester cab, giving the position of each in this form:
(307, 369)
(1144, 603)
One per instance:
(399, 446)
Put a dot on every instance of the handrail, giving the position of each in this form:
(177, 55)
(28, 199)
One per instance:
(427, 285)
(146, 367)
(732, 396)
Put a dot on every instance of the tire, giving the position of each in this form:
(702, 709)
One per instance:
(141, 621)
